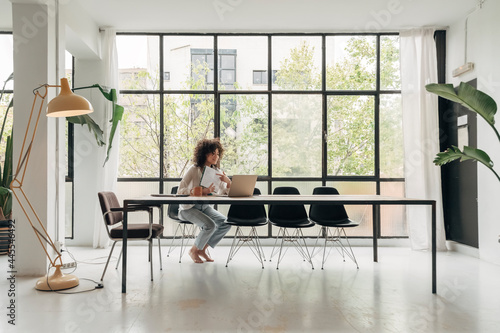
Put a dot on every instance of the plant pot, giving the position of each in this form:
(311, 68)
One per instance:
(6, 236)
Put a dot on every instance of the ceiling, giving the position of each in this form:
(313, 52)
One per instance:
(265, 15)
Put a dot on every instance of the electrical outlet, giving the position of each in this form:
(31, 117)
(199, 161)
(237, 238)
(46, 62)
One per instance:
(68, 265)
(59, 246)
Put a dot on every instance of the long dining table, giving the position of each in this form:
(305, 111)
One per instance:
(374, 200)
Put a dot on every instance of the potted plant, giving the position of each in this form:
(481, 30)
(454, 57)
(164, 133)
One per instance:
(476, 101)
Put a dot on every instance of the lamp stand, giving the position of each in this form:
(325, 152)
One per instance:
(57, 281)
(66, 104)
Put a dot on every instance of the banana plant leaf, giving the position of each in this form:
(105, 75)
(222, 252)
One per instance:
(454, 153)
(110, 95)
(117, 116)
(468, 96)
(92, 126)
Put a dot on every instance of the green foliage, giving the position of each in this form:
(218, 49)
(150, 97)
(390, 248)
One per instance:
(468, 96)
(244, 133)
(298, 72)
(110, 95)
(351, 119)
(91, 125)
(476, 101)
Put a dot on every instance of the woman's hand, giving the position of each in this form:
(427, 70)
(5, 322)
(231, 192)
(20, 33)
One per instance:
(224, 178)
(208, 190)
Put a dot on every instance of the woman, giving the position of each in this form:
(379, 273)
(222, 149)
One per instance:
(207, 153)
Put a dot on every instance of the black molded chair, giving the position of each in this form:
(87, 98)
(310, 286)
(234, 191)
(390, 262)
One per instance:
(185, 229)
(332, 216)
(247, 216)
(290, 217)
(113, 217)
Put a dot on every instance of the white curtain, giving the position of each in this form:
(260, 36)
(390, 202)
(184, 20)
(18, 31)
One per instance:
(107, 177)
(421, 135)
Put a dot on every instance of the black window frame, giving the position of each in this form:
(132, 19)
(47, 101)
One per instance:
(268, 90)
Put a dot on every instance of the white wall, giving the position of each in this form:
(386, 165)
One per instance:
(483, 49)
(83, 42)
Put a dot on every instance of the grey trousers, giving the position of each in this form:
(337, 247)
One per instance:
(211, 222)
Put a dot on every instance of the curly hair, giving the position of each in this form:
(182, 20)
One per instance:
(204, 147)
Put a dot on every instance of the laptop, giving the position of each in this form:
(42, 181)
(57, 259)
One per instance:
(242, 186)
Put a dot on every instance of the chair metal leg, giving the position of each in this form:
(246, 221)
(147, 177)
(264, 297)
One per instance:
(232, 250)
(336, 237)
(295, 239)
(107, 262)
(308, 256)
(349, 253)
(255, 246)
(183, 237)
(172, 246)
(324, 250)
(281, 248)
(119, 257)
(159, 250)
(320, 233)
(280, 230)
(253, 243)
(150, 250)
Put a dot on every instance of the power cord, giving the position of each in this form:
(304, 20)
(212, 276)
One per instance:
(98, 285)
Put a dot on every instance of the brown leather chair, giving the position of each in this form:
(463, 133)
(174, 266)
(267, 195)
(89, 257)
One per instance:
(113, 217)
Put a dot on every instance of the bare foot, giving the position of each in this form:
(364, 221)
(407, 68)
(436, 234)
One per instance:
(204, 255)
(194, 255)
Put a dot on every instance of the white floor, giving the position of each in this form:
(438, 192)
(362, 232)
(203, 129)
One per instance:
(393, 295)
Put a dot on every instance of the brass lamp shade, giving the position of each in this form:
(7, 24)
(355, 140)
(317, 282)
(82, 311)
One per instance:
(68, 104)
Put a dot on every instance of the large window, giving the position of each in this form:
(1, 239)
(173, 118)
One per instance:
(6, 110)
(6, 69)
(303, 110)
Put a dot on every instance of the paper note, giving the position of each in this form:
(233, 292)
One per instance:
(210, 177)
(463, 137)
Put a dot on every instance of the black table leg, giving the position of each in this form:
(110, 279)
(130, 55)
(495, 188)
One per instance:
(124, 244)
(375, 232)
(434, 287)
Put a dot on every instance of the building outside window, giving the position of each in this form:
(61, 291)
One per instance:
(260, 77)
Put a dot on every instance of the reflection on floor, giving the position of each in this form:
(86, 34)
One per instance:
(393, 295)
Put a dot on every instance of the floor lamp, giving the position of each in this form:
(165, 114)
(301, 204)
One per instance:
(67, 104)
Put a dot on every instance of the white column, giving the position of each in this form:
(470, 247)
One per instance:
(34, 30)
